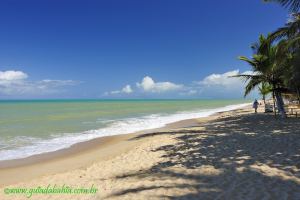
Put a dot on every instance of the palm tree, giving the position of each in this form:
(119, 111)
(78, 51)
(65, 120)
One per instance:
(292, 5)
(290, 34)
(289, 37)
(264, 89)
(268, 65)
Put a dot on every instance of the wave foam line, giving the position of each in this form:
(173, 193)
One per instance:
(124, 126)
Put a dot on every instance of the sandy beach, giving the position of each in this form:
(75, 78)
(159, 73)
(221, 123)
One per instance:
(150, 100)
(230, 155)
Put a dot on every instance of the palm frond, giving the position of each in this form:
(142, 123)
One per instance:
(265, 88)
(290, 30)
(249, 61)
(253, 82)
(292, 5)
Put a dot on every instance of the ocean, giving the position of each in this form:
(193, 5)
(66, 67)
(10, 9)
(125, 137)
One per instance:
(29, 127)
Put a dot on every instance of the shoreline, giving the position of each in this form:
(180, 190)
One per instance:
(77, 156)
(121, 126)
(82, 154)
(83, 145)
(86, 146)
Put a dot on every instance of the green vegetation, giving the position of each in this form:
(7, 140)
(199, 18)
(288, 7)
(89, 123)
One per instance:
(292, 5)
(264, 90)
(276, 60)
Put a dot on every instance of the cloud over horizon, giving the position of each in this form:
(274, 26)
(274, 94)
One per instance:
(16, 83)
(10, 76)
(215, 85)
(224, 79)
(149, 85)
(125, 90)
(222, 85)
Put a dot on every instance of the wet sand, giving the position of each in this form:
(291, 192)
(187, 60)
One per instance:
(77, 156)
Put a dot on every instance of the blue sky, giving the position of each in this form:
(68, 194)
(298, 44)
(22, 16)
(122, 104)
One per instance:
(128, 48)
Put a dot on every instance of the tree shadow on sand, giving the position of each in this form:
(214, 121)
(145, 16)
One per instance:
(257, 155)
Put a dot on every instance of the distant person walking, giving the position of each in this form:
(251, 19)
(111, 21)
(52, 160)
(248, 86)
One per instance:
(255, 105)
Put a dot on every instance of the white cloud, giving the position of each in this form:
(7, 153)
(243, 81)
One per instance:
(222, 85)
(224, 79)
(212, 86)
(125, 90)
(16, 83)
(113, 92)
(189, 92)
(10, 76)
(56, 83)
(149, 85)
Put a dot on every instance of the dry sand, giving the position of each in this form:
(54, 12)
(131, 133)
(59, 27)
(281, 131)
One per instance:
(231, 155)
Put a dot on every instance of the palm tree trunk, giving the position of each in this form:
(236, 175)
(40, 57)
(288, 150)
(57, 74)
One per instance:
(264, 98)
(273, 95)
(298, 94)
(280, 104)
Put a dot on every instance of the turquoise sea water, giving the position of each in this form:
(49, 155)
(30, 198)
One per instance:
(36, 126)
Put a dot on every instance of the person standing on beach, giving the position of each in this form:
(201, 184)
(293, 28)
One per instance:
(255, 105)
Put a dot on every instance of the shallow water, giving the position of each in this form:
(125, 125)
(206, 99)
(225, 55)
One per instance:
(37, 126)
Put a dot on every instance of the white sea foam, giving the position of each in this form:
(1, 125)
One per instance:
(116, 127)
